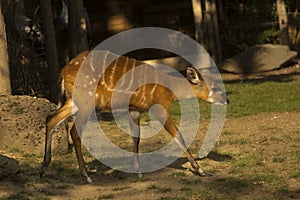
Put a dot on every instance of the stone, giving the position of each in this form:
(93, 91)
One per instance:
(8, 166)
(259, 58)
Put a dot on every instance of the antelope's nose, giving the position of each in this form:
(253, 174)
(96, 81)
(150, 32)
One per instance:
(224, 101)
(227, 101)
(220, 103)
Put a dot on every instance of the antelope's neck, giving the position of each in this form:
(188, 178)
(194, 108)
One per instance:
(181, 88)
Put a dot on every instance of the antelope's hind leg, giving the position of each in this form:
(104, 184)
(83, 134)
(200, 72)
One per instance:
(68, 134)
(135, 135)
(52, 121)
(76, 131)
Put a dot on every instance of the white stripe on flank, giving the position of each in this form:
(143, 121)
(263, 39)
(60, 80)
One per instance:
(92, 67)
(131, 75)
(143, 97)
(113, 73)
(104, 67)
(155, 85)
(124, 70)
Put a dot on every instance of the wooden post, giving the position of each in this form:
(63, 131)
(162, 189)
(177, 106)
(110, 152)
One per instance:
(77, 28)
(211, 47)
(5, 87)
(198, 21)
(283, 22)
(50, 45)
(293, 25)
(217, 40)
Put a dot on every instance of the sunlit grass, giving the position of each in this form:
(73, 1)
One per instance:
(256, 97)
(253, 97)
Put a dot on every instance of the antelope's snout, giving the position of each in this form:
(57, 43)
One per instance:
(217, 97)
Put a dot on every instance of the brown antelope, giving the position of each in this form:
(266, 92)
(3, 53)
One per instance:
(141, 99)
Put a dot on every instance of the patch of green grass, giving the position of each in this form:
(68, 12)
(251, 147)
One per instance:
(253, 97)
(185, 189)
(228, 187)
(173, 198)
(17, 196)
(269, 96)
(226, 132)
(270, 179)
(296, 155)
(159, 188)
(295, 174)
(15, 150)
(106, 196)
(188, 181)
(239, 141)
(24, 195)
(33, 156)
(246, 163)
(120, 188)
(279, 159)
(275, 139)
(179, 174)
(232, 183)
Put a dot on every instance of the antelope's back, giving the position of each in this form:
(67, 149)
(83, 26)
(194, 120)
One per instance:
(116, 75)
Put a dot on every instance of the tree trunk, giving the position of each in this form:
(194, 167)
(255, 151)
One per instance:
(294, 28)
(50, 45)
(5, 87)
(283, 22)
(77, 28)
(198, 21)
(210, 30)
(215, 21)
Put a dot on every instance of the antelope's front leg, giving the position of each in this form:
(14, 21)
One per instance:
(135, 134)
(169, 125)
(77, 129)
(196, 168)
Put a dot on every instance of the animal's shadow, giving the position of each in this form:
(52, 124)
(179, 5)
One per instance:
(101, 169)
(178, 164)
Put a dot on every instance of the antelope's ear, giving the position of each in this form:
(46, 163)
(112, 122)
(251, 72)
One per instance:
(192, 75)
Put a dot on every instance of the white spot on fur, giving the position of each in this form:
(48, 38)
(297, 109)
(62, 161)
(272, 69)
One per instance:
(210, 93)
(92, 67)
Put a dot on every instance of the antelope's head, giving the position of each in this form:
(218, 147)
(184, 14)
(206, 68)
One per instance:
(209, 93)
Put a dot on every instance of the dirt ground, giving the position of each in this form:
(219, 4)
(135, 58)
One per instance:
(269, 143)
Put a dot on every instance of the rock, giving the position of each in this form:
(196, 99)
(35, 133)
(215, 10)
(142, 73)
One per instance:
(23, 124)
(8, 166)
(259, 58)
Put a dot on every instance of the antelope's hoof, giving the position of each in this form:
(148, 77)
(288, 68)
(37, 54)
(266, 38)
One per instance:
(41, 173)
(201, 173)
(140, 176)
(88, 180)
(43, 170)
(70, 148)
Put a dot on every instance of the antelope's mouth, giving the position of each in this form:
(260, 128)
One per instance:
(215, 102)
